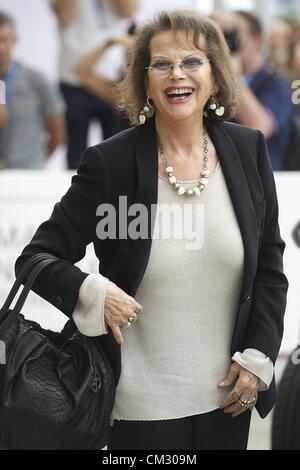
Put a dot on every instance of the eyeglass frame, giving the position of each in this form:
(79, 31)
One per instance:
(171, 67)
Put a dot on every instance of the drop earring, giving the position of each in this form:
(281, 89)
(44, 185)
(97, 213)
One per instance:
(145, 111)
(214, 106)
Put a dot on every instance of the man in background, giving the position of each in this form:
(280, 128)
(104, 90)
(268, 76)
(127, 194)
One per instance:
(3, 109)
(34, 124)
(83, 26)
(265, 96)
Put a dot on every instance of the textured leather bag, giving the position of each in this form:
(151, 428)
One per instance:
(57, 390)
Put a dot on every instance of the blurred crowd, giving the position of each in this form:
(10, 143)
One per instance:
(95, 37)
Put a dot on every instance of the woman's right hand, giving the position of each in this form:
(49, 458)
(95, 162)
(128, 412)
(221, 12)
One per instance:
(118, 308)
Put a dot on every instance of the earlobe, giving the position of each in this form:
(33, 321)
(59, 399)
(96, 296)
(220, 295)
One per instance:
(216, 90)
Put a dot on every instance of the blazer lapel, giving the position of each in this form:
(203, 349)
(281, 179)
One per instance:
(146, 194)
(240, 196)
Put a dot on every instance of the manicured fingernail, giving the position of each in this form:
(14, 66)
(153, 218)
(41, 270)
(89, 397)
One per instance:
(221, 384)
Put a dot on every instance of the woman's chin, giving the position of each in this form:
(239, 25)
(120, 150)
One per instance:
(180, 115)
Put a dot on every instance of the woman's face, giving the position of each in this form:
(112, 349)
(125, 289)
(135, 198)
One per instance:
(179, 94)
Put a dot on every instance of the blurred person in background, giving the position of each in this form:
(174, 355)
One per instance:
(280, 47)
(295, 81)
(285, 57)
(3, 119)
(99, 84)
(265, 96)
(83, 26)
(34, 125)
(3, 114)
(3, 108)
(295, 61)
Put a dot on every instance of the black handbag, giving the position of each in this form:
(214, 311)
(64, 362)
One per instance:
(57, 390)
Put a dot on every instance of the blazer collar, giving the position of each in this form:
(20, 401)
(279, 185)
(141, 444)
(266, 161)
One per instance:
(147, 186)
(146, 193)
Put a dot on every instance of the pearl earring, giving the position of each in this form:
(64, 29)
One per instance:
(145, 111)
(214, 106)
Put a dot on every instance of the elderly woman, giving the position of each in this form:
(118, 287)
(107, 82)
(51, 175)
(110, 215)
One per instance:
(201, 322)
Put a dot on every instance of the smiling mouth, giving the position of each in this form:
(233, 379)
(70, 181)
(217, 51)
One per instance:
(179, 94)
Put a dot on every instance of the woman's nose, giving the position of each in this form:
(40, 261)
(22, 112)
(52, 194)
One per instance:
(177, 73)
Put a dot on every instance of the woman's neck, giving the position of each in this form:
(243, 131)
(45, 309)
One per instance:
(180, 138)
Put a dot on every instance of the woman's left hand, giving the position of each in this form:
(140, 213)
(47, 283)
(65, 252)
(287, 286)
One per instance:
(244, 393)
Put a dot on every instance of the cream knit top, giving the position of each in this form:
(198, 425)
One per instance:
(176, 353)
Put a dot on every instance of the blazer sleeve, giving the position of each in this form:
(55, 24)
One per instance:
(265, 328)
(70, 228)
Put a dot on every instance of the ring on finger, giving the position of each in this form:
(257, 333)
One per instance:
(243, 403)
(247, 403)
(251, 403)
(132, 318)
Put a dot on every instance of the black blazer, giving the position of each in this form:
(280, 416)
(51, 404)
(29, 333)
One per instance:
(127, 164)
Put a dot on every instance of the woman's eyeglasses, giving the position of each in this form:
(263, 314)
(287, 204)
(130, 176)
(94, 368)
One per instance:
(163, 67)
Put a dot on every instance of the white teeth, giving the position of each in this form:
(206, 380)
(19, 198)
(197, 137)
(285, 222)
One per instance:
(180, 91)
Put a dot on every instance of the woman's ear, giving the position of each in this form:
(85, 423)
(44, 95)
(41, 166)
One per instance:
(215, 89)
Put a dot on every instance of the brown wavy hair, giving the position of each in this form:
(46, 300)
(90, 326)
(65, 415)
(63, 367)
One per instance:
(130, 91)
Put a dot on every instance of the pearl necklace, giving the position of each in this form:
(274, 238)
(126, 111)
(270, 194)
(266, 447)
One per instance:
(196, 191)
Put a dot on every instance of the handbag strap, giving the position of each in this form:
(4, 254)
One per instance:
(21, 276)
(30, 272)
